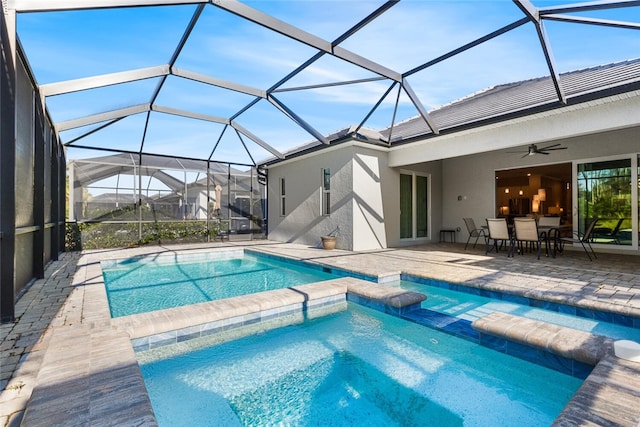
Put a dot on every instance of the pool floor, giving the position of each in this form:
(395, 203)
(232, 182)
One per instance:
(141, 285)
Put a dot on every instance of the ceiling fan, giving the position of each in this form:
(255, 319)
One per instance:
(533, 149)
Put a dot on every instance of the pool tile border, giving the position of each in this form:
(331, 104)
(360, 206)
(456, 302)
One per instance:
(261, 320)
(287, 306)
(338, 271)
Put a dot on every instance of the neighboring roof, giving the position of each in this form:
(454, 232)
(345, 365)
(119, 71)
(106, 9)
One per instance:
(91, 170)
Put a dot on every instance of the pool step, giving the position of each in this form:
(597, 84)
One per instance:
(570, 343)
(621, 378)
(385, 298)
(560, 348)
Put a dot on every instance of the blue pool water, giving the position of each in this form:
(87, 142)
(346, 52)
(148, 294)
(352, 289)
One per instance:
(470, 307)
(357, 367)
(140, 285)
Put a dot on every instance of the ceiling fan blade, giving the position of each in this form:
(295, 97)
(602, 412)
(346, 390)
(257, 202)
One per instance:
(550, 146)
(553, 149)
(542, 152)
(526, 155)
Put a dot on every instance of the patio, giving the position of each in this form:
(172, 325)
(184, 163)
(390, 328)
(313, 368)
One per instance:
(90, 370)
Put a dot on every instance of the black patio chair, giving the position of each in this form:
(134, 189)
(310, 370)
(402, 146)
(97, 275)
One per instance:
(583, 238)
(608, 234)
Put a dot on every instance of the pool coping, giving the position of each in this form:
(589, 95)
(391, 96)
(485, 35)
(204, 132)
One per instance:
(157, 328)
(596, 402)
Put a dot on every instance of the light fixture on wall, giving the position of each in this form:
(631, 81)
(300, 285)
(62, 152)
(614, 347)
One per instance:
(521, 192)
(506, 191)
(535, 204)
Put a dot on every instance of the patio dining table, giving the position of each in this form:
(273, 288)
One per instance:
(552, 236)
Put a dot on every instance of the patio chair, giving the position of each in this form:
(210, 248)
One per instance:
(526, 231)
(498, 233)
(583, 238)
(607, 234)
(473, 231)
(549, 227)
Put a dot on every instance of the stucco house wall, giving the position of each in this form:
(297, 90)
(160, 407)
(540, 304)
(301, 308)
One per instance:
(304, 222)
(591, 131)
(365, 199)
(370, 178)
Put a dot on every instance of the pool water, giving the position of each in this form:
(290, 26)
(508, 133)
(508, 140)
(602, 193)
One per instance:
(470, 307)
(356, 367)
(140, 285)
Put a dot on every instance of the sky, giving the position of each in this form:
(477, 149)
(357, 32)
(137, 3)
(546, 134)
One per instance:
(63, 46)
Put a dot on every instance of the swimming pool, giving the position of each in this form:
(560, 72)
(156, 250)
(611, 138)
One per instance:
(139, 285)
(357, 367)
(469, 306)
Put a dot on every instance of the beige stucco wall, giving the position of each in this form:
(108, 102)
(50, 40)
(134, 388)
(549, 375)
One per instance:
(365, 198)
(304, 222)
(370, 178)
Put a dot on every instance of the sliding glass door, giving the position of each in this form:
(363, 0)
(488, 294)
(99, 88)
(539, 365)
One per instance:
(605, 191)
(414, 206)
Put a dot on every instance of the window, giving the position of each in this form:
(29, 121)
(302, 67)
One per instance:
(283, 206)
(326, 191)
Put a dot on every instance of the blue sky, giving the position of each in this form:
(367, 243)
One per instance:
(69, 45)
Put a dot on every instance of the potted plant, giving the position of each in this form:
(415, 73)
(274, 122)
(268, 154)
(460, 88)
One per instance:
(329, 241)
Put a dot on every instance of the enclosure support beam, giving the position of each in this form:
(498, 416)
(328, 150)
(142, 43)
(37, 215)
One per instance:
(86, 83)
(62, 5)
(56, 186)
(208, 199)
(139, 195)
(534, 15)
(7, 165)
(38, 190)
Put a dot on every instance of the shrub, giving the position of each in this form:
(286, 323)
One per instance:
(103, 235)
